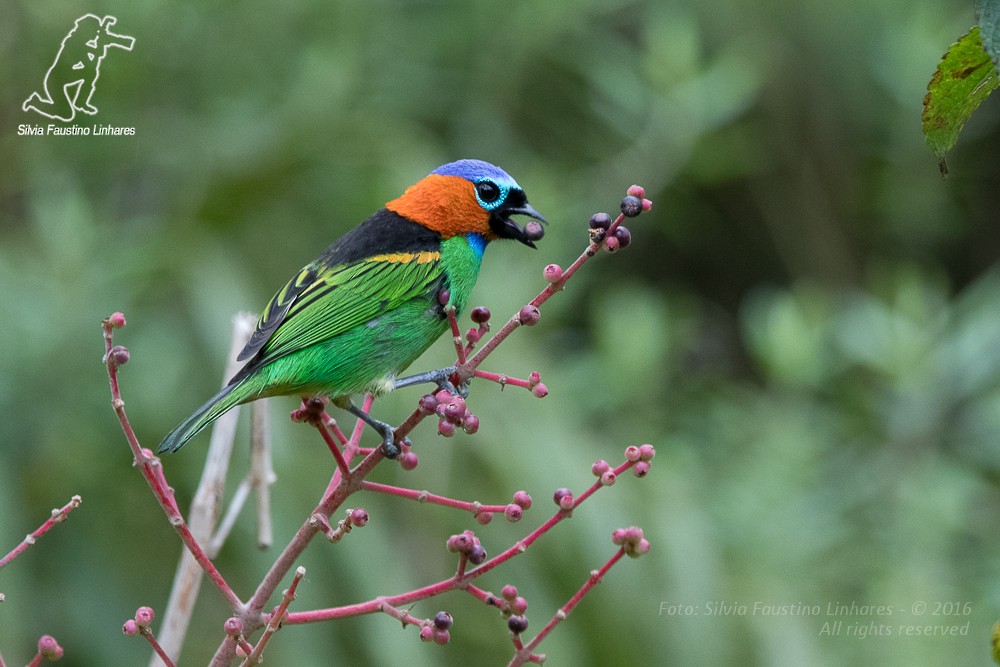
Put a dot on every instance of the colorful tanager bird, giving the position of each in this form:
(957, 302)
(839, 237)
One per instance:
(354, 318)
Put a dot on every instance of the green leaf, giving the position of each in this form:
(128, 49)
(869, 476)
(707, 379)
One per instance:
(964, 79)
(988, 18)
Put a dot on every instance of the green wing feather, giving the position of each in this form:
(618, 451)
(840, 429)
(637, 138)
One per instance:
(322, 302)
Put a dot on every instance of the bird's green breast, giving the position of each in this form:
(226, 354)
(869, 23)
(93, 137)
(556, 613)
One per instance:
(460, 261)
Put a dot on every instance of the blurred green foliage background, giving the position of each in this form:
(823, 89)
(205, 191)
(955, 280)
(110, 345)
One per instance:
(806, 326)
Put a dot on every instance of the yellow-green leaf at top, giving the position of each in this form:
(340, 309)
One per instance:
(964, 78)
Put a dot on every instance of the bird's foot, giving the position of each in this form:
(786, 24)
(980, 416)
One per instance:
(441, 377)
(389, 447)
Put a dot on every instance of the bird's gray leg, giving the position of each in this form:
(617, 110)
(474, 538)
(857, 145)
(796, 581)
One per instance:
(440, 377)
(389, 446)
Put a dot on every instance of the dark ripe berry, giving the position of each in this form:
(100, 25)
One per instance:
(480, 314)
(119, 355)
(560, 494)
(631, 206)
(624, 236)
(517, 624)
(444, 296)
(442, 620)
(477, 554)
(533, 230)
(600, 221)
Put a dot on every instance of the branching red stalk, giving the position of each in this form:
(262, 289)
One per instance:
(58, 516)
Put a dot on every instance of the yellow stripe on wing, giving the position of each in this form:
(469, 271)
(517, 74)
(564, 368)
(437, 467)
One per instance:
(407, 257)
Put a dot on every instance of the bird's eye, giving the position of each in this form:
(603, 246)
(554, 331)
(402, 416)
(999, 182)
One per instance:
(488, 191)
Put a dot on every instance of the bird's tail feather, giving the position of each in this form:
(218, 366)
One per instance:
(203, 417)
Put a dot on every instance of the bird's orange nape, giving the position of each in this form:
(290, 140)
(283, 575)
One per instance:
(446, 204)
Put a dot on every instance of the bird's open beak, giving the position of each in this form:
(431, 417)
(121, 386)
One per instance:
(525, 235)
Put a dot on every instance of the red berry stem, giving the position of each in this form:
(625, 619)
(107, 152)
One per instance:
(58, 516)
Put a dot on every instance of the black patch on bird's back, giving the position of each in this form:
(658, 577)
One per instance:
(382, 233)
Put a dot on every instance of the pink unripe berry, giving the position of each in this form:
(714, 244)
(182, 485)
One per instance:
(446, 428)
(540, 390)
(533, 230)
(470, 424)
(513, 512)
(455, 410)
(641, 469)
(117, 320)
(636, 191)
(49, 648)
(484, 518)
(359, 517)
(523, 499)
(600, 467)
(441, 637)
(632, 453)
(611, 244)
(233, 626)
(529, 315)
(518, 606)
(608, 478)
(517, 624)
(480, 315)
(552, 273)
(534, 378)
(472, 335)
(144, 616)
(427, 633)
(408, 460)
(131, 628)
(427, 404)
(647, 452)
(443, 397)
(640, 548)
(618, 536)
(509, 592)
(461, 542)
